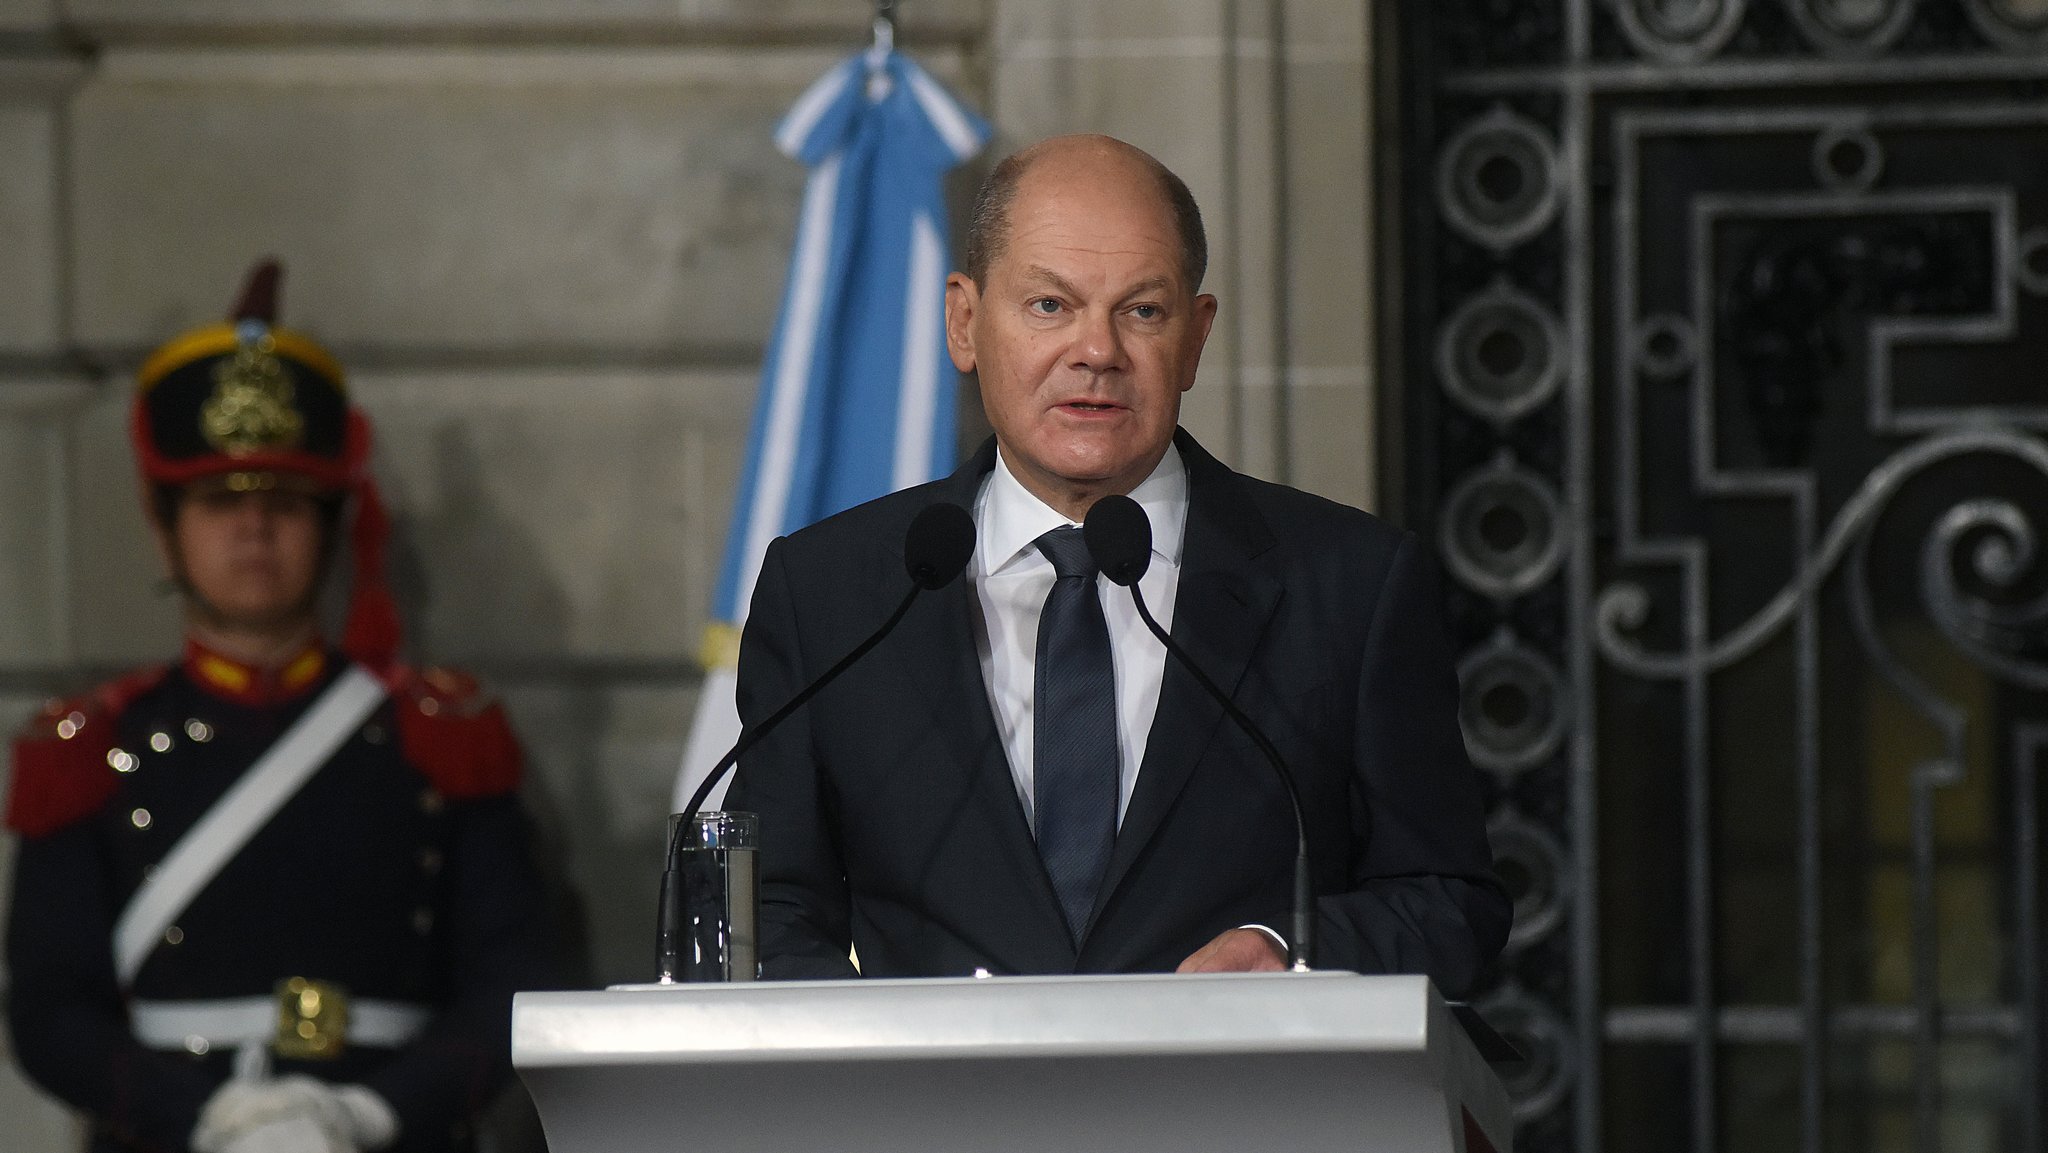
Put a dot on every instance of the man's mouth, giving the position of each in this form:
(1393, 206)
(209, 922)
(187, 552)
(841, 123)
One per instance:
(1090, 406)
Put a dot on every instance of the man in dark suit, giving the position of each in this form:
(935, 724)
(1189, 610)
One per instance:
(1018, 780)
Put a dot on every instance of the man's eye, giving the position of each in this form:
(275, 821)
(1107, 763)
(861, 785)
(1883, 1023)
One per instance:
(1147, 312)
(1044, 306)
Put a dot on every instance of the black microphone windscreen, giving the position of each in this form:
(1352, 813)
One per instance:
(938, 544)
(1119, 537)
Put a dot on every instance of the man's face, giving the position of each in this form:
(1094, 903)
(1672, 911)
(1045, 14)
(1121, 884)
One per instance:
(252, 555)
(1085, 332)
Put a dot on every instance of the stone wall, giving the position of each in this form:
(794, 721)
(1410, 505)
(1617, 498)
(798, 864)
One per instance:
(1263, 108)
(548, 238)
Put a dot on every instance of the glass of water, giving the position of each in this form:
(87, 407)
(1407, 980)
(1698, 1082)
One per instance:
(710, 900)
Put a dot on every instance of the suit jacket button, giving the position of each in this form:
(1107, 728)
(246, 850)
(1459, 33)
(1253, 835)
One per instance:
(139, 818)
(422, 921)
(198, 730)
(174, 936)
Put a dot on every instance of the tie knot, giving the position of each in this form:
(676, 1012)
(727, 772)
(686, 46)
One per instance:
(1068, 552)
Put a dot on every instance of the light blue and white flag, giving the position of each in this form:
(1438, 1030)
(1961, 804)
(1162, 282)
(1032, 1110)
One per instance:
(857, 393)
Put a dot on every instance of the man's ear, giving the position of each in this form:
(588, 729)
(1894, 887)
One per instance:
(166, 551)
(155, 512)
(1204, 319)
(963, 297)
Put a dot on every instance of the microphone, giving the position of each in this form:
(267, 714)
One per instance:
(936, 548)
(1120, 539)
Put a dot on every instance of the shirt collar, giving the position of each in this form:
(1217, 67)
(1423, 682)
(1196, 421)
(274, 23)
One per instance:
(245, 684)
(1010, 517)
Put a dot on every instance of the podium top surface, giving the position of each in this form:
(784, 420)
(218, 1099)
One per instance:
(981, 1017)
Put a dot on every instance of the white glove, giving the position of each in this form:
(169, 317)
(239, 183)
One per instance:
(372, 1120)
(349, 1118)
(236, 1107)
(295, 1134)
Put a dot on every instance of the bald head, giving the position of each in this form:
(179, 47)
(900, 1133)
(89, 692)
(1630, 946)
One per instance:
(1059, 159)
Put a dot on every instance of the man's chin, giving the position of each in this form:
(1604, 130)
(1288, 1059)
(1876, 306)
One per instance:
(1109, 470)
(268, 619)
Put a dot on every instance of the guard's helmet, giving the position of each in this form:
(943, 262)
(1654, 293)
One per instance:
(251, 401)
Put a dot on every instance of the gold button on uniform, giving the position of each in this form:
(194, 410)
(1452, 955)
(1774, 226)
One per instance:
(160, 742)
(139, 818)
(199, 730)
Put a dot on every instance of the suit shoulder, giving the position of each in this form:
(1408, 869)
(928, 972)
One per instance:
(454, 731)
(64, 755)
(881, 520)
(1295, 514)
(888, 509)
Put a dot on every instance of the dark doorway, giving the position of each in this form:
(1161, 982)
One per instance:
(1722, 330)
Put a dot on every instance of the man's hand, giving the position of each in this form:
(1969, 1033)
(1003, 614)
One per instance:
(1237, 951)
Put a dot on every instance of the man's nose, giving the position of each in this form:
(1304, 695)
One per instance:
(254, 515)
(1098, 345)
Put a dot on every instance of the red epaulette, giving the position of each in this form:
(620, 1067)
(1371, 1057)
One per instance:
(62, 771)
(454, 732)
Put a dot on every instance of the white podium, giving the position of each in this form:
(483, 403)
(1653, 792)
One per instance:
(1315, 1061)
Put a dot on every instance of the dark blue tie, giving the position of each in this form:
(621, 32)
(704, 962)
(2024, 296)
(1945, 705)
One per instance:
(1073, 741)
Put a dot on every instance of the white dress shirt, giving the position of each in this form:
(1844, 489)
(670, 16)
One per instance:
(1011, 580)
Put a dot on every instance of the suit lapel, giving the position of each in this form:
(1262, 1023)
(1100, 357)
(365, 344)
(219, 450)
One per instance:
(1220, 614)
(947, 673)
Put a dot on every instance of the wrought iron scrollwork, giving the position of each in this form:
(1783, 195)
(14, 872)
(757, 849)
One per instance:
(1550, 1067)
(1512, 705)
(2002, 548)
(1501, 354)
(1851, 28)
(2013, 26)
(1786, 306)
(1789, 259)
(1497, 179)
(1533, 866)
(1679, 31)
(2000, 542)
(1504, 530)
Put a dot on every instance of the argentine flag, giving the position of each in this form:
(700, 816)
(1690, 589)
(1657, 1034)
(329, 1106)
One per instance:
(857, 393)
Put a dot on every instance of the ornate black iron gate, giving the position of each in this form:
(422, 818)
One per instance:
(1725, 341)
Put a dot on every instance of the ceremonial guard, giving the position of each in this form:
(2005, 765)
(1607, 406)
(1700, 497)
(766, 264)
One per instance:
(276, 897)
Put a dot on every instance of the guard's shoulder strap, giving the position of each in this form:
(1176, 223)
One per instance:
(64, 756)
(455, 733)
(246, 807)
